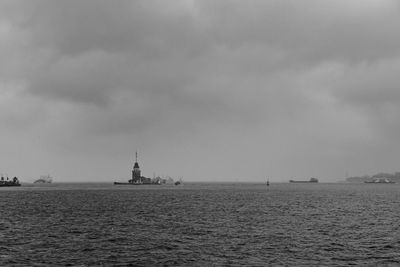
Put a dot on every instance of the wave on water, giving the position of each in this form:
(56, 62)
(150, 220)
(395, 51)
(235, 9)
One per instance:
(200, 225)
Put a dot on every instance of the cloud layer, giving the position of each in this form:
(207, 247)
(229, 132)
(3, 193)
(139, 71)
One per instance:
(207, 90)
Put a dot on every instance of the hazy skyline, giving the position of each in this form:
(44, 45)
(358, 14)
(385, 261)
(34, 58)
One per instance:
(205, 90)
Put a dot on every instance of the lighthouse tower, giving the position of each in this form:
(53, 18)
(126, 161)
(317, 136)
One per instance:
(136, 177)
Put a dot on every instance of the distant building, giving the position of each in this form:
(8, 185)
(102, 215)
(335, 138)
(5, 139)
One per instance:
(136, 174)
(137, 177)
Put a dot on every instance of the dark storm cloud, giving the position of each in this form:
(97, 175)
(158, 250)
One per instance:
(83, 51)
(88, 51)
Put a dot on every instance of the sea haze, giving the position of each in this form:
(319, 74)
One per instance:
(200, 224)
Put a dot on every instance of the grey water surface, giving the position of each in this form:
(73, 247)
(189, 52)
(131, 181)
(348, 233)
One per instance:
(200, 224)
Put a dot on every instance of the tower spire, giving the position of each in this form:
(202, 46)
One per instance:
(136, 156)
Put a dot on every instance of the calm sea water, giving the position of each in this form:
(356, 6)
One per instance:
(200, 225)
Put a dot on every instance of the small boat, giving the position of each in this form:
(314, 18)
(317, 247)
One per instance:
(44, 179)
(6, 182)
(380, 181)
(180, 181)
(312, 180)
(267, 182)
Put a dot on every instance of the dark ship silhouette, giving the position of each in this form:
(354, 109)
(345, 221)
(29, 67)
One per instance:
(312, 180)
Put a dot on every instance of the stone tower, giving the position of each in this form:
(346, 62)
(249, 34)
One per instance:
(136, 176)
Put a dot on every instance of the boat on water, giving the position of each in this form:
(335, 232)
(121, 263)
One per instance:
(312, 180)
(380, 181)
(9, 182)
(180, 181)
(138, 179)
(44, 179)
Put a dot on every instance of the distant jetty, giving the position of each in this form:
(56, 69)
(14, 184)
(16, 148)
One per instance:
(138, 179)
(391, 178)
(312, 180)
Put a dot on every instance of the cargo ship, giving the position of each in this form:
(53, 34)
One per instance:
(312, 180)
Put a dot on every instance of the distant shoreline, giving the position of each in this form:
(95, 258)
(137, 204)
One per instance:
(394, 177)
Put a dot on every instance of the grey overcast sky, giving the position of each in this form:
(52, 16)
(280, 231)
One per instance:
(206, 90)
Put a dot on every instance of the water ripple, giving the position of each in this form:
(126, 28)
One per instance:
(200, 225)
